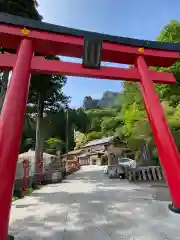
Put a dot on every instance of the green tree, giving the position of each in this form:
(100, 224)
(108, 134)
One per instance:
(127, 119)
(54, 125)
(21, 8)
(93, 136)
(24, 9)
(109, 125)
(96, 116)
(167, 92)
(45, 90)
(131, 123)
(53, 145)
(173, 117)
(80, 139)
(45, 95)
(82, 120)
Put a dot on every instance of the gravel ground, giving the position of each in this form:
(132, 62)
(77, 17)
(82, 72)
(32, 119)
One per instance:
(88, 205)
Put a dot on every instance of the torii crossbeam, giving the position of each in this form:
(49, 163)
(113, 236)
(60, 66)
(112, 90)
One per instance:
(28, 36)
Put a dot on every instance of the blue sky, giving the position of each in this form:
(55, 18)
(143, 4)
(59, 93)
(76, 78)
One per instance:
(143, 19)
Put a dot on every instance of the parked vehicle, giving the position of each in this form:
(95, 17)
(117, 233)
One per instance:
(127, 162)
(115, 171)
(118, 170)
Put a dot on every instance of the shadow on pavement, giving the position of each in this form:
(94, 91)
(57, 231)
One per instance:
(89, 205)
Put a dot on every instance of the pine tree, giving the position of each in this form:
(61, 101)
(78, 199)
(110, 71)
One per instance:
(45, 90)
(23, 8)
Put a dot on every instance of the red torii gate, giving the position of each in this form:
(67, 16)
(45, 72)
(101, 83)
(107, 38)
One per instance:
(29, 37)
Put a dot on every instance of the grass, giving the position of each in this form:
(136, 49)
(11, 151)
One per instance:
(14, 198)
(25, 193)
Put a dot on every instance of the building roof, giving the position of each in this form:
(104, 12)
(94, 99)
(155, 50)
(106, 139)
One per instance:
(84, 155)
(74, 152)
(99, 141)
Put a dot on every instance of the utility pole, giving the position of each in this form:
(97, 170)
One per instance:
(38, 145)
(67, 131)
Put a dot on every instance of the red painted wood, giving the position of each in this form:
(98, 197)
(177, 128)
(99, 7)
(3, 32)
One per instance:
(111, 73)
(66, 45)
(25, 167)
(39, 171)
(11, 124)
(41, 65)
(168, 152)
(51, 43)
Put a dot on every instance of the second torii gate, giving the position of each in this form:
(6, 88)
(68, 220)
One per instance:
(29, 37)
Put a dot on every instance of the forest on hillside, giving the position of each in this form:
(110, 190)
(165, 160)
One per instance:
(127, 119)
(52, 126)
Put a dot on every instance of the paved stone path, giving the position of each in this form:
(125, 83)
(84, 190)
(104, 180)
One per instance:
(89, 206)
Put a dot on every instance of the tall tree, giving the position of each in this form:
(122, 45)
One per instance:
(24, 9)
(21, 8)
(167, 92)
(45, 90)
(45, 95)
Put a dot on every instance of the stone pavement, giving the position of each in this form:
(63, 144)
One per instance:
(88, 205)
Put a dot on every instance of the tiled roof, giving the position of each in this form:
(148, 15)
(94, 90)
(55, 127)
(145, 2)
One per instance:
(99, 141)
(74, 152)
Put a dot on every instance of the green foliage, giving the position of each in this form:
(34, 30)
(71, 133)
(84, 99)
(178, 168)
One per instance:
(134, 127)
(96, 117)
(50, 89)
(53, 145)
(93, 136)
(54, 125)
(82, 120)
(21, 8)
(110, 124)
(170, 93)
(45, 94)
(80, 139)
(128, 119)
